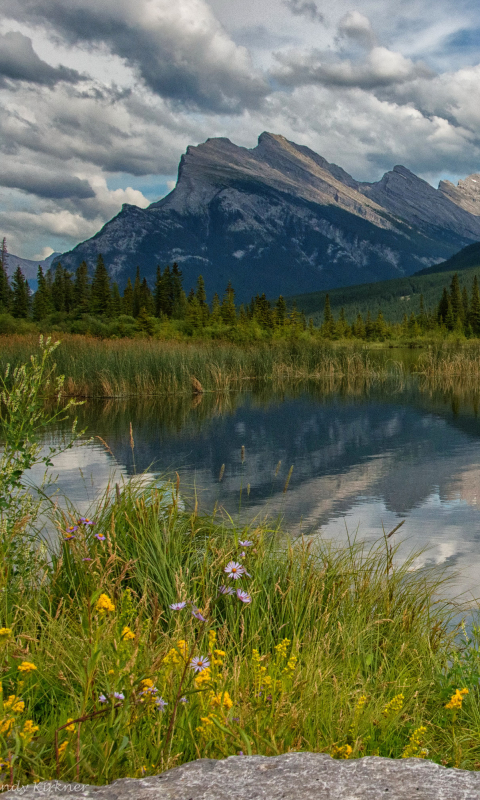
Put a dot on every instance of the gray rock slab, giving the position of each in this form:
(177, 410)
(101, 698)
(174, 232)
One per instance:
(293, 776)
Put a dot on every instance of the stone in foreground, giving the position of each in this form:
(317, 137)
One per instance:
(293, 776)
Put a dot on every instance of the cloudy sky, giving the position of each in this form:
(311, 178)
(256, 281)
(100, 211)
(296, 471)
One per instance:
(99, 98)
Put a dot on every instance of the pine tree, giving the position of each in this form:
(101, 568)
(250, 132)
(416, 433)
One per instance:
(101, 293)
(358, 327)
(465, 305)
(229, 314)
(179, 299)
(116, 308)
(136, 294)
(328, 326)
(443, 306)
(21, 295)
(58, 288)
(42, 299)
(474, 316)
(456, 298)
(145, 297)
(216, 315)
(369, 326)
(201, 296)
(127, 301)
(81, 289)
(69, 292)
(281, 311)
(5, 290)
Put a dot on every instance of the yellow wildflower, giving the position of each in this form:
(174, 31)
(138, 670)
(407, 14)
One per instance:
(203, 677)
(61, 748)
(5, 633)
(29, 730)
(147, 683)
(14, 704)
(345, 751)
(360, 703)
(104, 604)
(267, 680)
(394, 706)
(456, 699)
(172, 657)
(70, 728)
(26, 666)
(111, 672)
(413, 747)
(6, 725)
(291, 664)
(127, 634)
(182, 647)
(212, 635)
(221, 699)
(282, 648)
(220, 653)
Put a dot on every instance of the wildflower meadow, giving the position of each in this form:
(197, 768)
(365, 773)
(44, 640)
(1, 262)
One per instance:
(146, 634)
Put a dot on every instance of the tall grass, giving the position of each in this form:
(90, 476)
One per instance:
(149, 635)
(118, 368)
(339, 650)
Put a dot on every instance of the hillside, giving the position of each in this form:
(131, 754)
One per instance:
(394, 298)
(278, 218)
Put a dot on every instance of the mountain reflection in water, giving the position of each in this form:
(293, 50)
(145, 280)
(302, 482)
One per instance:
(364, 458)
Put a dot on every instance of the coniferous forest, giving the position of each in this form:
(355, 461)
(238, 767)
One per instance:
(91, 304)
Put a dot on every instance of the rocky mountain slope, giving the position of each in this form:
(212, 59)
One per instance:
(278, 218)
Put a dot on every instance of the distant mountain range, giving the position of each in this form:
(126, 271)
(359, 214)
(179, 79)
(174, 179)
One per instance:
(279, 219)
(28, 267)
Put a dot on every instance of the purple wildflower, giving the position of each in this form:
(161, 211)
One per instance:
(119, 696)
(235, 719)
(199, 663)
(246, 543)
(68, 537)
(72, 529)
(85, 521)
(234, 570)
(183, 699)
(226, 590)
(100, 537)
(243, 596)
(160, 703)
(177, 606)
(197, 615)
(242, 555)
(102, 698)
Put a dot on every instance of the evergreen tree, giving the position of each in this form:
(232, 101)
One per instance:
(281, 311)
(342, 327)
(20, 295)
(229, 314)
(216, 315)
(145, 322)
(443, 306)
(42, 299)
(145, 297)
(81, 289)
(69, 292)
(58, 288)
(450, 316)
(465, 305)
(358, 327)
(456, 298)
(127, 301)
(116, 307)
(179, 299)
(5, 290)
(474, 316)
(369, 326)
(422, 317)
(101, 293)
(136, 294)
(328, 327)
(201, 296)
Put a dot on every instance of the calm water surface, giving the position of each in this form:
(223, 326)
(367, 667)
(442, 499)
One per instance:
(363, 460)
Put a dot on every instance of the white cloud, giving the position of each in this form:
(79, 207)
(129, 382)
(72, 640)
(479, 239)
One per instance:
(357, 26)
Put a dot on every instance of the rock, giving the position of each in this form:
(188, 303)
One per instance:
(293, 776)
(197, 387)
(280, 219)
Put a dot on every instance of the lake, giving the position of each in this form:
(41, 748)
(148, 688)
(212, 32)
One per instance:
(364, 458)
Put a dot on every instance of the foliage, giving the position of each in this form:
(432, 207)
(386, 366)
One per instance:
(148, 635)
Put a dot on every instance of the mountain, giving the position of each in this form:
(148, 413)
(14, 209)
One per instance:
(29, 268)
(467, 257)
(278, 218)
